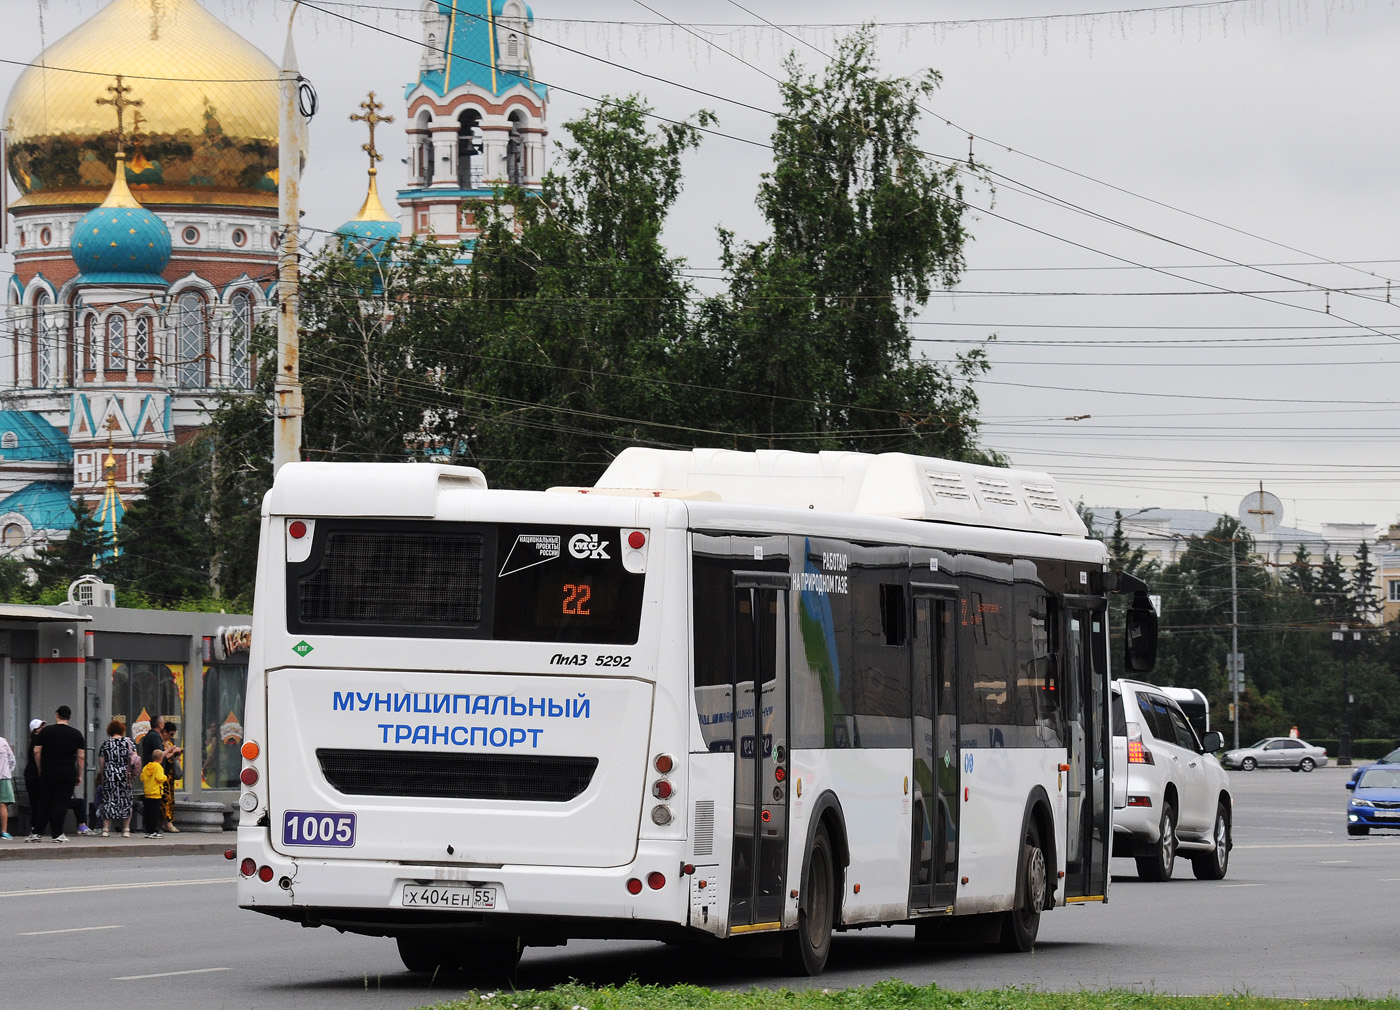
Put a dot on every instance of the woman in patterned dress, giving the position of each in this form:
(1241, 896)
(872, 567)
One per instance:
(114, 767)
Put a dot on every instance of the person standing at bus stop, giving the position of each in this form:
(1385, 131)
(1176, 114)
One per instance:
(7, 786)
(61, 753)
(33, 789)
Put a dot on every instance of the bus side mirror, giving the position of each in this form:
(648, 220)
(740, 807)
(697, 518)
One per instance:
(1140, 635)
(1213, 742)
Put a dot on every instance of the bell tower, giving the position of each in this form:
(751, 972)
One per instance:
(475, 117)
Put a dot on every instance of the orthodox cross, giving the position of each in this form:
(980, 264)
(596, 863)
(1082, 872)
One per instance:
(1262, 512)
(372, 118)
(119, 100)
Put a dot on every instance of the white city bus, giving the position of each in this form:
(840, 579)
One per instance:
(720, 695)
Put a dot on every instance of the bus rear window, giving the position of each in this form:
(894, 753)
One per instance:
(465, 580)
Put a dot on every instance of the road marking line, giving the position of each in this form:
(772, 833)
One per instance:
(115, 887)
(1241, 885)
(167, 974)
(1374, 843)
(75, 929)
(1334, 862)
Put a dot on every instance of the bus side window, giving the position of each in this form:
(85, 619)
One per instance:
(987, 661)
(879, 692)
(714, 649)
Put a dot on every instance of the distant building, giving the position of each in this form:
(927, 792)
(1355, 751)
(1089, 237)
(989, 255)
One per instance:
(1164, 534)
(144, 216)
(1387, 559)
(475, 118)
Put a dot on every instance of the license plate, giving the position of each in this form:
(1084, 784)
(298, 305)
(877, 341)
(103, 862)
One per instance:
(1386, 813)
(310, 827)
(448, 896)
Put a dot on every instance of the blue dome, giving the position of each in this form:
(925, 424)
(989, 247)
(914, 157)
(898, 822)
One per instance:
(121, 245)
(368, 239)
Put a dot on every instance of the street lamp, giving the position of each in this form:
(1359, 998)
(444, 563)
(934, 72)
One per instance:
(1347, 640)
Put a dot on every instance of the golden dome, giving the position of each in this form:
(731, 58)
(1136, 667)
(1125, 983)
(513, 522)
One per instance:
(208, 137)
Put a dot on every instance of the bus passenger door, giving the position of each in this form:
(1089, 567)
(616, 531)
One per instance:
(934, 867)
(1088, 815)
(757, 895)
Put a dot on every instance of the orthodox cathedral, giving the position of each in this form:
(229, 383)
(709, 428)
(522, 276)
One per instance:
(143, 224)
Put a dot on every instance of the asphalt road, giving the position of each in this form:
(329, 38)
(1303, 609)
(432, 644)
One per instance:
(1305, 912)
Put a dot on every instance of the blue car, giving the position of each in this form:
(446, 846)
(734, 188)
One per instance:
(1375, 799)
(1393, 758)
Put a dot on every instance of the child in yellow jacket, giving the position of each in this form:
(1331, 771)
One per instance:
(152, 779)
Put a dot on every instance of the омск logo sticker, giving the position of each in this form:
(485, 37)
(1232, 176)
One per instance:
(588, 545)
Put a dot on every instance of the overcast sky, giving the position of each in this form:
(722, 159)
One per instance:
(1139, 157)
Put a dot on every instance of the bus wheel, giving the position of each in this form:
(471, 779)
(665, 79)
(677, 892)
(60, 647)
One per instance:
(418, 953)
(805, 949)
(492, 960)
(1020, 925)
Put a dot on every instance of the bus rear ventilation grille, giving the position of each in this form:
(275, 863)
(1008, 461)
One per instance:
(397, 578)
(456, 776)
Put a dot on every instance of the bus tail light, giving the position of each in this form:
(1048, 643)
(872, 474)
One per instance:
(634, 886)
(248, 776)
(265, 874)
(250, 750)
(661, 789)
(248, 867)
(656, 880)
(664, 763)
(661, 815)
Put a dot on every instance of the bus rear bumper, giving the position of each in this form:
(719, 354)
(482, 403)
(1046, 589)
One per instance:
(548, 903)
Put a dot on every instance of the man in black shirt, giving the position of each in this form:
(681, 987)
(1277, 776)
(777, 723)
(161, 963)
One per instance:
(61, 753)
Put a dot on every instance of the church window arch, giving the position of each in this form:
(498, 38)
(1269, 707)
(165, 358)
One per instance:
(471, 163)
(191, 342)
(515, 150)
(240, 370)
(14, 532)
(142, 331)
(116, 342)
(45, 347)
(423, 147)
(513, 47)
(89, 351)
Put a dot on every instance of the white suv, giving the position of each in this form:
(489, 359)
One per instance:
(1169, 792)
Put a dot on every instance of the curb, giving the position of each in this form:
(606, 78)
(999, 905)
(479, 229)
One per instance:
(83, 849)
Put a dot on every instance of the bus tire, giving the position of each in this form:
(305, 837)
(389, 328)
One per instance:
(492, 960)
(806, 948)
(1020, 925)
(418, 953)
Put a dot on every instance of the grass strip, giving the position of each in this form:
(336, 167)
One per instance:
(888, 995)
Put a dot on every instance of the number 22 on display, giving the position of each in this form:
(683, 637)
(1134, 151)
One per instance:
(576, 599)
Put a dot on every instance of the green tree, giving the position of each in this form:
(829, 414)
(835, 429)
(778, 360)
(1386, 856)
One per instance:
(1332, 591)
(1365, 606)
(80, 553)
(165, 543)
(812, 338)
(1299, 574)
(576, 310)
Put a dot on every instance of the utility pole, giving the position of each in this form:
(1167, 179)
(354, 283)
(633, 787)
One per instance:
(286, 439)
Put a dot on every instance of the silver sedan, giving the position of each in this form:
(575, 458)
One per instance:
(1276, 752)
